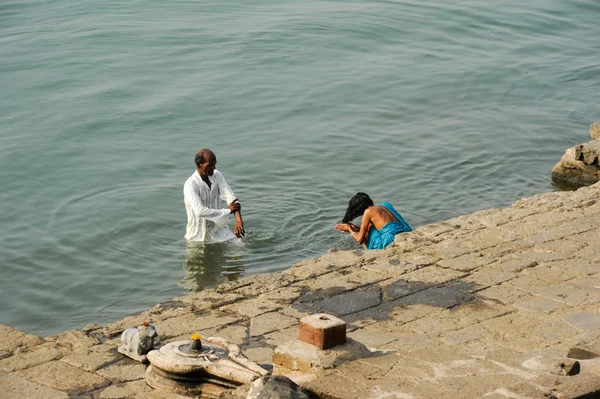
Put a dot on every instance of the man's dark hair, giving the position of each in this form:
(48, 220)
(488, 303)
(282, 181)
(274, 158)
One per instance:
(199, 160)
(357, 206)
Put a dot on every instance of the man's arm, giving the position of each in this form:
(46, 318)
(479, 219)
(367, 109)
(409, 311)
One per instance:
(193, 201)
(238, 230)
(227, 194)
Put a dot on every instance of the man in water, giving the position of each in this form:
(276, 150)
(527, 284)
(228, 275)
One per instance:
(201, 194)
(380, 223)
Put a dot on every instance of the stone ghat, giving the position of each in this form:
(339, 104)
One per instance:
(478, 306)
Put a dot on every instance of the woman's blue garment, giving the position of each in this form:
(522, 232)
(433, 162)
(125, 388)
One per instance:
(384, 237)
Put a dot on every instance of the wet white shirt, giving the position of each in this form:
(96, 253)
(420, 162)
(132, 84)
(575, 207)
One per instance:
(206, 221)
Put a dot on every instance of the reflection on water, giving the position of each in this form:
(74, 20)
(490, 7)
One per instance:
(208, 265)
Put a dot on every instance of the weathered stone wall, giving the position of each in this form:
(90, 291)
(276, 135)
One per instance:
(580, 165)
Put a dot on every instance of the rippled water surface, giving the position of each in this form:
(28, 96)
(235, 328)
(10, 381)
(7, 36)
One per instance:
(441, 109)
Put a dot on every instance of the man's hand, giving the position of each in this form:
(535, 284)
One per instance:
(238, 230)
(234, 206)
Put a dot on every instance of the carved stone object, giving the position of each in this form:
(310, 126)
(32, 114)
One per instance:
(137, 342)
(276, 387)
(205, 370)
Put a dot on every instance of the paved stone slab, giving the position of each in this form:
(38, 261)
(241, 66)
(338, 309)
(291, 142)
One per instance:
(257, 284)
(260, 355)
(115, 392)
(434, 275)
(466, 262)
(583, 320)
(352, 302)
(193, 323)
(126, 370)
(283, 296)
(28, 357)
(282, 336)
(269, 322)
(446, 296)
(252, 307)
(372, 339)
(64, 377)
(469, 388)
(400, 288)
(13, 386)
(93, 358)
(13, 339)
(487, 277)
(538, 305)
(72, 340)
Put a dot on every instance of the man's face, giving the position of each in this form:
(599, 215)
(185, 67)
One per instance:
(209, 165)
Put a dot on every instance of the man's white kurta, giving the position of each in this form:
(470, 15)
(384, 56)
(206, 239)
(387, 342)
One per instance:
(206, 221)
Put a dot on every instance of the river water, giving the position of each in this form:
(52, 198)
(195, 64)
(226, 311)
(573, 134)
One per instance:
(440, 109)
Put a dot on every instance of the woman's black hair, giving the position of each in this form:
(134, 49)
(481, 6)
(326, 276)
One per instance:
(357, 206)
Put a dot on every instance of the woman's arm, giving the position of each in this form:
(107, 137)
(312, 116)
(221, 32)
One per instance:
(359, 236)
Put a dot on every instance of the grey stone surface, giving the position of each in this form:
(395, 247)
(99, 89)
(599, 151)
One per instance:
(28, 357)
(351, 302)
(13, 339)
(482, 305)
(276, 387)
(64, 377)
(14, 386)
(269, 322)
(584, 320)
(93, 358)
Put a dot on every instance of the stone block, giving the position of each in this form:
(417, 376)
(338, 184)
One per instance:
(64, 377)
(487, 277)
(14, 386)
(284, 296)
(13, 339)
(434, 275)
(352, 301)
(73, 340)
(115, 392)
(193, 323)
(583, 320)
(447, 296)
(538, 305)
(373, 339)
(126, 370)
(336, 386)
(94, 358)
(468, 387)
(585, 350)
(465, 263)
(24, 358)
(269, 322)
(296, 355)
(260, 355)
(322, 330)
(570, 387)
(400, 288)
(252, 307)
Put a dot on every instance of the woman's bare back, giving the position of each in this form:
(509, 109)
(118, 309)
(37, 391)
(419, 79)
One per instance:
(380, 216)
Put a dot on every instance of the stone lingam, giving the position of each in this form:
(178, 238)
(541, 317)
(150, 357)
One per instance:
(193, 368)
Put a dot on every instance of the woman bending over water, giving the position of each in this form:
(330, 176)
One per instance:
(380, 223)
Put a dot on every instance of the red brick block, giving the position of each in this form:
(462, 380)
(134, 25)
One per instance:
(323, 330)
